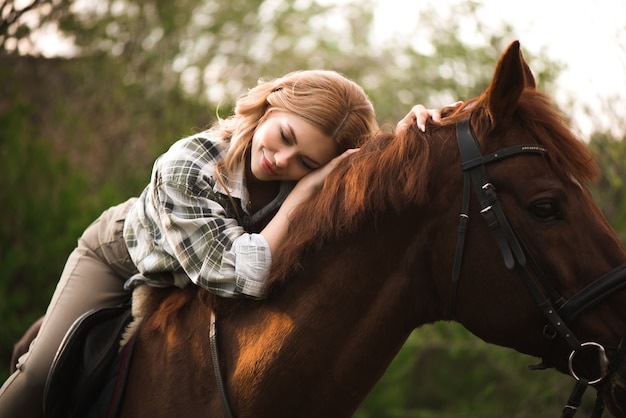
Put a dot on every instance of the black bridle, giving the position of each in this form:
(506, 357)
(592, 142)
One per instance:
(557, 310)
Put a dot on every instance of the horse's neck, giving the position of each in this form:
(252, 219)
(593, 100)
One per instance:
(315, 348)
(328, 334)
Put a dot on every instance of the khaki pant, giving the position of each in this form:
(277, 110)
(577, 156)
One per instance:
(93, 277)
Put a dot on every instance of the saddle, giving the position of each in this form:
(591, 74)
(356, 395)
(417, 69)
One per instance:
(89, 370)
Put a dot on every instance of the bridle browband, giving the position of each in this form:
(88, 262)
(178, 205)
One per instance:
(556, 310)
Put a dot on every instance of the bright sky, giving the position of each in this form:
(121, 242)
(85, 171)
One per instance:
(589, 36)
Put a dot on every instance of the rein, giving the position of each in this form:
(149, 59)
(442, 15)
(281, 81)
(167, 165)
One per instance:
(557, 311)
(216, 367)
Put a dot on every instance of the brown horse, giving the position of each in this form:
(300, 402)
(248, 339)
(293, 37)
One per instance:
(371, 258)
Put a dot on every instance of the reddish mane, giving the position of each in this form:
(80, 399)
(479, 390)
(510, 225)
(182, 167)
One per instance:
(389, 171)
(392, 171)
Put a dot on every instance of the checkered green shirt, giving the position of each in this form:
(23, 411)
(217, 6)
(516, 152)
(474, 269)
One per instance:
(184, 225)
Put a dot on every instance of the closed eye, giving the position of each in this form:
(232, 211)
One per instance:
(306, 164)
(284, 137)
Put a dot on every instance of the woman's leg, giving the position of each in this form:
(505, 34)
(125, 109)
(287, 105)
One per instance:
(93, 277)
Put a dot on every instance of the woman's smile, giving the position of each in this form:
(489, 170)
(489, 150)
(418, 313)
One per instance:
(268, 166)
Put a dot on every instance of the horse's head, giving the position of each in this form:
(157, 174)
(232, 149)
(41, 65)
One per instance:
(528, 173)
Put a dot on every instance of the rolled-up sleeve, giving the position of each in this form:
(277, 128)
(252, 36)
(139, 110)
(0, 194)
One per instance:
(249, 259)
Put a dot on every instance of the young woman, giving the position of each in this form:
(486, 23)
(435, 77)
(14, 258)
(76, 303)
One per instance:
(216, 208)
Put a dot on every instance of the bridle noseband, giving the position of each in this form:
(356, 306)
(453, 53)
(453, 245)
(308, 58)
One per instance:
(557, 311)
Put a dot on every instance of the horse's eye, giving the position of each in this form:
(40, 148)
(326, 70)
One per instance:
(546, 211)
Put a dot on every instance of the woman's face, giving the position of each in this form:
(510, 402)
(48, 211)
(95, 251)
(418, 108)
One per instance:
(287, 147)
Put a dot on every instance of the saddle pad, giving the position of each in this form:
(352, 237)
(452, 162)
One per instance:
(83, 360)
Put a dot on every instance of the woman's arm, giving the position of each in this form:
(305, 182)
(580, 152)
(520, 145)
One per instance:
(276, 230)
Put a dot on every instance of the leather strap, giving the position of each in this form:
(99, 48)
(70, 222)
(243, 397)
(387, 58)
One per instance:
(216, 366)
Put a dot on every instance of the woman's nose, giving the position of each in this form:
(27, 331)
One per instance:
(282, 157)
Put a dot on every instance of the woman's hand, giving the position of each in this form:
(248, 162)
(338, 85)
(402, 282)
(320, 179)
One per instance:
(277, 229)
(314, 180)
(419, 114)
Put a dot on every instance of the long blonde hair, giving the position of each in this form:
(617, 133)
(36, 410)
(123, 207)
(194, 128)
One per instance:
(335, 105)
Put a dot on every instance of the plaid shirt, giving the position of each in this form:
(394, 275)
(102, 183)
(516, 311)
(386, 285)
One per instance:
(184, 228)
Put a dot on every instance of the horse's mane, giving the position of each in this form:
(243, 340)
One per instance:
(391, 171)
(388, 172)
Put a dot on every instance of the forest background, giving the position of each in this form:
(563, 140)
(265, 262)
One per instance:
(80, 133)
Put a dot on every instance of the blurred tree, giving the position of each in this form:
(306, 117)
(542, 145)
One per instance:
(610, 191)
(16, 29)
(215, 50)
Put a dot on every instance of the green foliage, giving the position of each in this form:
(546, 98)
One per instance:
(40, 193)
(214, 51)
(74, 141)
(610, 191)
(445, 371)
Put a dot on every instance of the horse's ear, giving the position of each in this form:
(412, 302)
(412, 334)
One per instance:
(529, 77)
(512, 75)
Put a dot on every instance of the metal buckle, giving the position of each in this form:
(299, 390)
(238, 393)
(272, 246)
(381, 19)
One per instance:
(604, 361)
